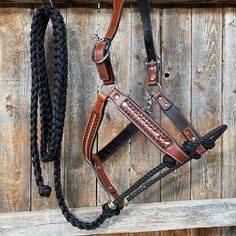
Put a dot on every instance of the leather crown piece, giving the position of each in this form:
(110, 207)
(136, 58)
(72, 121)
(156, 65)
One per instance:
(53, 115)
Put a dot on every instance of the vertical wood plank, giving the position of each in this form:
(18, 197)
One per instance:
(176, 82)
(206, 100)
(38, 202)
(15, 85)
(118, 165)
(229, 109)
(80, 183)
(144, 155)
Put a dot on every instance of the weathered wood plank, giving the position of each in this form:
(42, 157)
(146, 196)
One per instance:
(176, 82)
(206, 99)
(229, 108)
(144, 155)
(14, 109)
(110, 1)
(80, 183)
(38, 202)
(136, 218)
(117, 166)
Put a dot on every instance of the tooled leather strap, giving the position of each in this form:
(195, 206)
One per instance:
(175, 115)
(158, 136)
(153, 61)
(101, 54)
(90, 134)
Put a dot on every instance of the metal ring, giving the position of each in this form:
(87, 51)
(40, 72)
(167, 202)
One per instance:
(108, 41)
(148, 93)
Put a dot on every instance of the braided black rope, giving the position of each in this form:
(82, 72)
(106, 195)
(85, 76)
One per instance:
(52, 115)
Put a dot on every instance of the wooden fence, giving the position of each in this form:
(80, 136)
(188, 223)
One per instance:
(198, 49)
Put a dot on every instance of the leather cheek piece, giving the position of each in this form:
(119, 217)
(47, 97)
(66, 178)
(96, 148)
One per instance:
(93, 125)
(88, 142)
(159, 137)
(103, 177)
(178, 120)
(163, 102)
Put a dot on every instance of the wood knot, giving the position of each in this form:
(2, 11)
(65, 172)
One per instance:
(10, 105)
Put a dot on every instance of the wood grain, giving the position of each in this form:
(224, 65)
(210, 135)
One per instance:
(15, 87)
(229, 108)
(176, 82)
(144, 155)
(80, 183)
(117, 166)
(206, 100)
(144, 217)
(110, 1)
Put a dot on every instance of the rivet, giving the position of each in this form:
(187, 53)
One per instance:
(160, 98)
(152, 68)
(124, 104)
(117, 97)
(111, 205)
(126, 202)
(99, 167)
(193, 138)
(152, 78)
(157, 135)
(166, 105)
(167, 144)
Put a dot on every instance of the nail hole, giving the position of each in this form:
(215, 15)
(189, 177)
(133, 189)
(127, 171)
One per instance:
(167, 74)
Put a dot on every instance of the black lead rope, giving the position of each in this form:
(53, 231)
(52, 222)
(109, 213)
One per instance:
(52, 112)
(52, 115)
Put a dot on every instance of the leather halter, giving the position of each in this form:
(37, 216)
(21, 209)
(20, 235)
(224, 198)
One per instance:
(140, 120)
(52, 115)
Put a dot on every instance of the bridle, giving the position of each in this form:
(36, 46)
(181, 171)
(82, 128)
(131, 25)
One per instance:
(52, 118)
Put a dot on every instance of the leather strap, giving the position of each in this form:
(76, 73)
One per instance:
(122, 138)
(101, 53)
(153, 62)
(181, 123)
(158, 136)
(90, 134)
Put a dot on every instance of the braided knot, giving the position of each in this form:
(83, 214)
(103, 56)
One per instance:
(191, 149)
(169, 161)
(45, 190)
(108, 212)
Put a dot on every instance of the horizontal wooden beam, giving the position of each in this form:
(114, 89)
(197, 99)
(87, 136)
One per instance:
(135, 218)
(128, 1)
